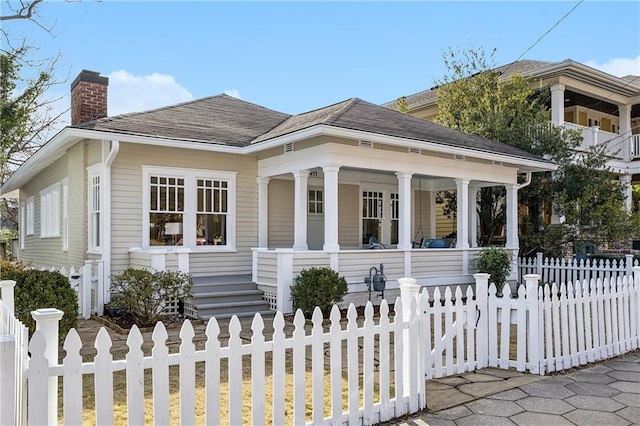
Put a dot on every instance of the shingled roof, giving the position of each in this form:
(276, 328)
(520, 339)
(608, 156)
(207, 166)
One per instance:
(229, 121)
(429, 96)
(356, 114)
(220, 119)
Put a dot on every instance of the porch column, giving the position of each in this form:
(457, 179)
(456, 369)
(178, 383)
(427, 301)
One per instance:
(625, 182)
(263, 212)
(331, 208)
(404, 210)
(462, 214)
(625, 132)
(473, 217)
(512, 217)
(300, 210)
(557, 104)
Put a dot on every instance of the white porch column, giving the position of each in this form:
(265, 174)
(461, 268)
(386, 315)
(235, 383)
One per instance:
(512, 217)
(462, 215)
(625, 132)
(473, 217)
(625, 182)
(263, 212)
(300, 210)
(557, 104)
(331, 208)
(404, 210)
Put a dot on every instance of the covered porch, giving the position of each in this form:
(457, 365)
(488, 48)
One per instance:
(323, 204)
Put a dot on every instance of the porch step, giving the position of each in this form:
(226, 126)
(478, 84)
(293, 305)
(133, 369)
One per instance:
(225, 296)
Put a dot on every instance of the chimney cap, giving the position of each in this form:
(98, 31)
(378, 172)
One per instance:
(90, 77)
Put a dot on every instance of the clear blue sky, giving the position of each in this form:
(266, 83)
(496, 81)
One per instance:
(297, 56)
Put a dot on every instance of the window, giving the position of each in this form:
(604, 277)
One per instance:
(50, 211)
(22, 225)
(395, 208)
(213, 208)
(29, 214)
(93, 208)
(315, 201)
(65, 214)
(166, 210)
(191, 208)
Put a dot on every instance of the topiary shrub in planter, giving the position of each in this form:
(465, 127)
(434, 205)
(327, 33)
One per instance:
(495, 261)
(143, 293)
(41, 289)
(321, 287)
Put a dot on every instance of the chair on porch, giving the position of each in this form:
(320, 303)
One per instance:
(375, 244)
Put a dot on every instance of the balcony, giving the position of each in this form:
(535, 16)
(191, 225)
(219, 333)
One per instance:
(617, 146)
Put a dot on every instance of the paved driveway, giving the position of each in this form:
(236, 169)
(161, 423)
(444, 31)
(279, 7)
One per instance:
(606, 393)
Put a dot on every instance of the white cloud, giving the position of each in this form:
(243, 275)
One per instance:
(132, 93)
(618, 66)
(233, 92)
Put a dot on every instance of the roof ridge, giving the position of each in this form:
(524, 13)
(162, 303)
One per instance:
(348, 104)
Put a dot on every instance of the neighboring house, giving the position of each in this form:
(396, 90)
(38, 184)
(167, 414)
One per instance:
(605, 108)
(231, 192)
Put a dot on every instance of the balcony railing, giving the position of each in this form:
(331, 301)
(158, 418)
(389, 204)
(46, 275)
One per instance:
(618, 146)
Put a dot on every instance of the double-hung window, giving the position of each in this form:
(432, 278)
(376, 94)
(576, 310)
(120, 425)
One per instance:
(189, 207)
(93, 207)
(50, 211)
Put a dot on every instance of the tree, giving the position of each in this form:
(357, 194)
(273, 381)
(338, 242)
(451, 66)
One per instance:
(476, 98)
(27, 115)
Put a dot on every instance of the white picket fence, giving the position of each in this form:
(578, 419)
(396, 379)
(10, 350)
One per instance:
(380, 366)
(562, 270)
(13, 360)
(398, 378)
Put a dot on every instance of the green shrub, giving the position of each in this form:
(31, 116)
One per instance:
(143, 293)
(321, 287)
(495, 261)
(41, 289)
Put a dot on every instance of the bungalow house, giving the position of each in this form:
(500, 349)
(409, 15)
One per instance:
(237, 194)
(603, 107)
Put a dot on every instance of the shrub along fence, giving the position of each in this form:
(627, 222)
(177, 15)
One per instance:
(354, 372)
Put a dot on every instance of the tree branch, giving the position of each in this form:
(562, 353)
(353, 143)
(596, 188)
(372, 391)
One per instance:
(25, 12)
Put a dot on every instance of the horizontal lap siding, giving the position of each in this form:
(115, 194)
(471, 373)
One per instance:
(281, 198)
(434, 262)
(444, 225)
(422, 215)
(268, 268)
(354, 266)
(126, 207)
(48, 252)
(348, 216)
(140, 260)
(309, 260)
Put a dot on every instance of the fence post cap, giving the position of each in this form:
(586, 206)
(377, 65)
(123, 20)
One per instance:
(7, 283)
(532, 276)
(481, 275)
(45, 314)
(407, 282)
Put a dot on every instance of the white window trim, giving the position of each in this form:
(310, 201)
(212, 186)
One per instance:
(30, 205)
(65, 214)
(93, 171)
(23, 224)
(50, 211)
(190, 177)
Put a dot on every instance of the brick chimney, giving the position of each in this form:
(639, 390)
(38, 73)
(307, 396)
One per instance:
(88, 97)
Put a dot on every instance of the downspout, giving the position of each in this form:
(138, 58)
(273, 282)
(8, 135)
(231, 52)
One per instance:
(105, 216)
(526, 182)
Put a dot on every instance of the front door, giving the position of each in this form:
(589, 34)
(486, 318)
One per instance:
(315, 219)
(380, 215)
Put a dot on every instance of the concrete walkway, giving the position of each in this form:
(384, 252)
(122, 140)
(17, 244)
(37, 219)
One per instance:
(606, 393)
